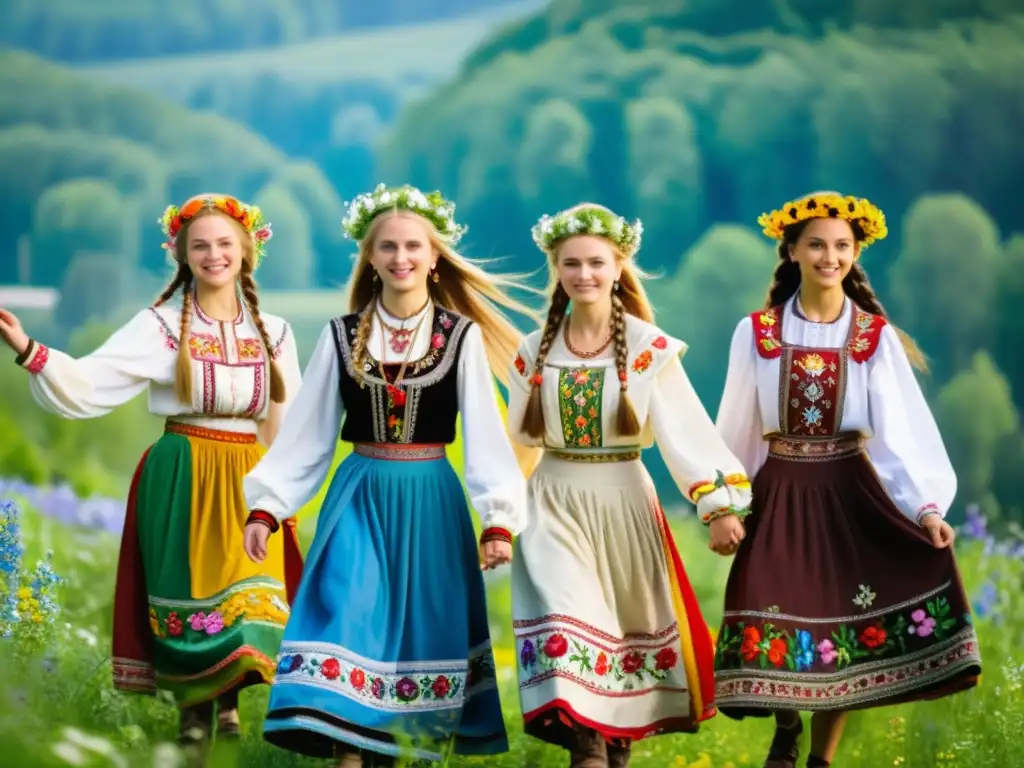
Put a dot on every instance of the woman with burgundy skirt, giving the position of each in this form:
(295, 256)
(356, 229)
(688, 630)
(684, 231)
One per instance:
(844, 593)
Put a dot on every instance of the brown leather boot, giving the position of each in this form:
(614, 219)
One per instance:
(785, 749)
(618, 757)
(589, 751)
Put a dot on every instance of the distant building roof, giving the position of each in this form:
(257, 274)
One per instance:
(28, 297)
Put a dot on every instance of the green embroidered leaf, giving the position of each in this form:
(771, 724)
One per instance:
(790, 661)
(948, 623)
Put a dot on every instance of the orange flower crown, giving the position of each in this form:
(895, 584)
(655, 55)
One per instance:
(828, 205)
(249, 216)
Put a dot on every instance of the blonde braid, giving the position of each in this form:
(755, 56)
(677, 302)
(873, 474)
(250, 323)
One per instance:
(183, 370)
(533, 417)
(626, 420)
(361, 343)
(248, 285)
(183, 275)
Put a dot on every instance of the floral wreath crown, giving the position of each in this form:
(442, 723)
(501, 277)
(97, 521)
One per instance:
(249, 216)
(588, 220)
(432, 206)
(823, 206)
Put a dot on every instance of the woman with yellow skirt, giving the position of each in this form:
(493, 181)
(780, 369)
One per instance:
(192, 614)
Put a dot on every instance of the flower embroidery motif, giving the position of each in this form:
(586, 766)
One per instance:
(265, 604)
(600, 663)
(660, 343)
(407, 688)
(643, 361)
(250, 350)
(766, 333)
(580, 406)
(520, 365)
(205, 348)
(813, 364)
(865, 597)
(797, 649)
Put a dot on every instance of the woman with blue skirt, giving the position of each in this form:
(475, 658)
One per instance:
(388, 651)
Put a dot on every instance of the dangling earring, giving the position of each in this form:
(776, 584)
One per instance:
(434, 276)
(615, 287)
(376, 277)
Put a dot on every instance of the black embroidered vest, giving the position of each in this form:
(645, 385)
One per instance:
(427, 405)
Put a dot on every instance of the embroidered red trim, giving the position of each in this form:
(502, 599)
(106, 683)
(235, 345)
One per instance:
(39, 358)
(496, 534)
(259, 516)
(767, 325)
(866, 336)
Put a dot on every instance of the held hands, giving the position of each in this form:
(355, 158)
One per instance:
(941, 532)
(256, 536)
(726, 534)
(13, 334)
(494, 553)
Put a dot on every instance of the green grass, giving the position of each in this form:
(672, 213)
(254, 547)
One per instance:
(40, 697)
(409, 56)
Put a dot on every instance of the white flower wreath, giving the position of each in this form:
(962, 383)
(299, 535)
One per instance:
(431, 206)
(588, 220)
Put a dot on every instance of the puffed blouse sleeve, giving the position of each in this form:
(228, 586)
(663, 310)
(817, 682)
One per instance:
(739, 413)
(906, 447)
(94, 385)
(496, 486)
(703, 467)
(297, 463)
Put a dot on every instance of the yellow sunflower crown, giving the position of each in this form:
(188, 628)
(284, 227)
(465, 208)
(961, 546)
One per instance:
(823, 206)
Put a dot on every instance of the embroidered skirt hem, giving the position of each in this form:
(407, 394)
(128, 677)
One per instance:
(192, 614)
(388, 648)
(609, 634)
(836, 601)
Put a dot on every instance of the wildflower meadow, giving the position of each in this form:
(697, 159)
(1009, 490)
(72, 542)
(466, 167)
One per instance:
(58, 556)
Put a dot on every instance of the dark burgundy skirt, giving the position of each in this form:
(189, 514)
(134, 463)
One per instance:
(836, 601)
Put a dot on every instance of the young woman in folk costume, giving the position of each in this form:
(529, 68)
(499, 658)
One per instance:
(611, 643)
(192, 615)
(388, 641)
(844, 593)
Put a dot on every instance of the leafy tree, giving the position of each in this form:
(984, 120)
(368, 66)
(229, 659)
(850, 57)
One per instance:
(289, 262)
(551, 165)
(94, 285)
(80, 216)
(1009, 317)
(976, 415)
(318, 200)
(943, 282)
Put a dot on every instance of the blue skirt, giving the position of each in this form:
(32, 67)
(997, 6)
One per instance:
(387, 648)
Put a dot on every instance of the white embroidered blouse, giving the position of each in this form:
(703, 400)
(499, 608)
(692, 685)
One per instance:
(883, 401)
(580, 400)
(230, 382)
(297, 464)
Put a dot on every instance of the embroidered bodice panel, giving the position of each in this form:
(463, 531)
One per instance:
(810, 380)
(424, 409)
(230, 379)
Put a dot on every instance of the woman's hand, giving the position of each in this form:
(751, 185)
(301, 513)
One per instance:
(942, 533)
(12, 333)
(256, 537)
(726, 534)
(494, 554)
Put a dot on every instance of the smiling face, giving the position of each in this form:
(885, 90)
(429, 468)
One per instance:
(825, 252)
(401, 253)
(215, 249)
(587, 268)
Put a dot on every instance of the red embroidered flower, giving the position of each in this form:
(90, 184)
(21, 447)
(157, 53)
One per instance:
(437, 341)
(643, 361)
(632, 661)
(397, 395)
(666, 659)
(873, 636)
(601, 665)
(777, 651)
(174, 626)
(660, 343)
(358, 679)
(330, 669)
(555, 646)
(749, 648)
(520, 365)
(441, 686)
(377, 688)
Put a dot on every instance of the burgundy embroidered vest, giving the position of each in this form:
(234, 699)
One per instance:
(424, 409)
(812, 380)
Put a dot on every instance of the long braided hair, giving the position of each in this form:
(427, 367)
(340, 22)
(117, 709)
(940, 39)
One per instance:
(786, 283)
(184, 279)
(629, 299)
